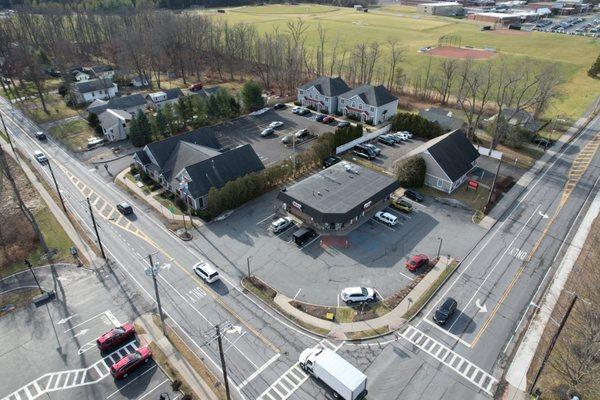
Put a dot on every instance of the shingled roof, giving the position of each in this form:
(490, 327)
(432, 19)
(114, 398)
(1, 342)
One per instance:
(93, 85)
(454, 153)
(117, 103)
(327, 86)
(371, 95)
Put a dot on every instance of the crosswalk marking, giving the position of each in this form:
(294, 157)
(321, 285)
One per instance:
(459, 364)
(61, 380)
(292, 379)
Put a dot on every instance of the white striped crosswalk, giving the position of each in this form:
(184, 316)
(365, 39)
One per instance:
(292, 379)
(62, 380)
(459, 364)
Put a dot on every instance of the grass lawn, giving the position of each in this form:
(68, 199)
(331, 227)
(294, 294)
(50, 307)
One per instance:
(57, 109)
(474, 199)
(16, 299)
(574, 54)
(73, 134)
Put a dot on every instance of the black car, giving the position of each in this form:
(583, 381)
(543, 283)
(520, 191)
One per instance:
(542, 141)
(414, 196)
(124, 208)
(443, 314)
(303, 235)
(278, 106)
(364, 152)
(320, 117)
(331, 160)
(386, 140)
(40, 136)
(343, 124)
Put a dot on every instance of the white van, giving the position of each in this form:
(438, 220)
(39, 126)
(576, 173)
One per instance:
(386, 218)
(206, 272)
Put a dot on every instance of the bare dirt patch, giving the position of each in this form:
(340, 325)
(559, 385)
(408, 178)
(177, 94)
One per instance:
(461, 52)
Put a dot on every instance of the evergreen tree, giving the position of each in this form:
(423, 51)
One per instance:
(135, 134)
(143, 125)
(160, 125)
(594, 70)
(94, 122)
(172, 122)
(252, 96)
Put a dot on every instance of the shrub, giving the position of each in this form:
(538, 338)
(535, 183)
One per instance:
(182, 205)
(411, 171)
(297, 103)
(347, 134)
(133, 168)
(417, 125)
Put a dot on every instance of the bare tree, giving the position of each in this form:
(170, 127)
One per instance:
(473, 95)
(447, 74)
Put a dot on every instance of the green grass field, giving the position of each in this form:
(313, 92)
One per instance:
(573, 53)
(74, 134)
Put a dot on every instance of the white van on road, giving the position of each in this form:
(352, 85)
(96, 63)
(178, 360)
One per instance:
(206, 272)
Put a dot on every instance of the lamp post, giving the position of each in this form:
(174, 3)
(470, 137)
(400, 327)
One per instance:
(440, 246)
(33, 273)
(152, 270)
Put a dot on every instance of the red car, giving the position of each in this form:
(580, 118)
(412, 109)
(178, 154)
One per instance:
(416, 262)
(116, 336)
(328, 119)
(130, 362)
(195, 87)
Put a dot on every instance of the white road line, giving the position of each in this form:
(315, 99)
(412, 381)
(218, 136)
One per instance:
(153, 389)
(297, 293)
(453, 336)
(132, 381)
(258, 371)
(412, 278)
(87, 320)
(263, 220)
(309, 243)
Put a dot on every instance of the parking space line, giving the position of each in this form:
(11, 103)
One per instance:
(411, 278)
(86, 321)
(309, 243)
(382, 224)
(153, 389)
(263, 220)
(297, 293)
(131, 381)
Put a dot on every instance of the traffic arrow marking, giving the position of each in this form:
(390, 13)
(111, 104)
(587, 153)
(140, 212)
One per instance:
(543, 215)
(235, 329)
(81, 332)
(482, 307)
(64, 320)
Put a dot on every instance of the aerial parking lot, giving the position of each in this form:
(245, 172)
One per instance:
(372, 255)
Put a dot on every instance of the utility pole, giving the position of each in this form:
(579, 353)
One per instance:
(223, 366)
(95, 227)
(33, 273)
(57, 189)
(440, 246)
(152, 271)
(7, 134)
(552, 343)
(487, 204)
(248, 265)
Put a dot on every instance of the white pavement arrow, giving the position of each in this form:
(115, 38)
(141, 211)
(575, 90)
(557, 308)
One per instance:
(235, 329)
(482, 307)
(167, 267)
(81, 332)
(543, 215)
(64, 320)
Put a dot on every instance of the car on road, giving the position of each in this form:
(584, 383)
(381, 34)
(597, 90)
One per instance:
(414, 195)
(279, 106)
(275, 124)
(343, 124)
(116, 337)
(195, 87)
(445, 311)
(417, 261)
(320, 117)
(40, 157)
(331, 160)
(386, 139)
(376, 149)
(40, 136)
(206, 271)
(296, 109)
(281, 224)
(328, 119)
(386, 217)
(301, 133)
(358, 295)
(402, 205)
(267, 132)
(124, 208)
(364, 152)
(130, 362)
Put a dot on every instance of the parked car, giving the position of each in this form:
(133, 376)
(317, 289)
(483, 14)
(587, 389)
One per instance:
(363, 152)
(408, 134)
(413, 195)
(343, 124)
(40, 136)
(401, 205)
(301, 133)
(206, 271)
(303, 111)
(130, 362)
(40, 157)
(296, 109)
(397, 139)
(331, 160)
(267, 132)
(287, 139)
(358, 294)
(116, 336)
(275, 124)
(386, 139)
(400, 135)
(279, 106)
(445, 311)
(195, 87)
(417, 261)
(124, 208)
(376, 149)
(320, 117)
(303, 235)
(281, 224)
(328, 119)
(386, 218)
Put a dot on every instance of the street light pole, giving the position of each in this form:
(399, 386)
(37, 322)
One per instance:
(57, 189)
(223, 366)
(248, 265)
(7, 134)
(33, 273)
(153, 272)
(95, 227)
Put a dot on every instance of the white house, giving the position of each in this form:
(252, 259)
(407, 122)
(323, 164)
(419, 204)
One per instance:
(81, 76)
(367, 103)
(88, 91)
(159, 99)
(322, 93)
(114, 124)
(100, 71)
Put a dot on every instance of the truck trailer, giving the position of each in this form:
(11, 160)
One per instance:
(343, 378)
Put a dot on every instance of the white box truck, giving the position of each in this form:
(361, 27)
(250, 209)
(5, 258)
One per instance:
(346, 380)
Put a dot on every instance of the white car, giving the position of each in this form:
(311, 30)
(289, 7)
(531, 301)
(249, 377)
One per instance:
(301, 133)
(408, 134)
(386, 218)
(267, 132)
(275, 124)
(207, 272)
(358, 294)
(281, 224)
(401, 135)
(296, 109)
(40, 157)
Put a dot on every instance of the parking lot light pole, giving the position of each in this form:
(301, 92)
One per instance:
(248, 265)
(440, 246)
(33, 273)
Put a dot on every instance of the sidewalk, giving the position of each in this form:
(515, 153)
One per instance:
(393, 320)
(154, 334)
(84, 249)
(152, 202)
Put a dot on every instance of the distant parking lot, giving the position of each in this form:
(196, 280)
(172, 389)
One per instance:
(581, 25)
(316, 273)
(390, 154)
